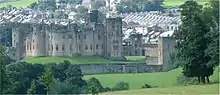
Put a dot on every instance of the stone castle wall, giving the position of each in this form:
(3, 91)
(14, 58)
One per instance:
(119, 68)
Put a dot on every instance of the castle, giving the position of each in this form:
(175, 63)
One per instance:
(67, 38)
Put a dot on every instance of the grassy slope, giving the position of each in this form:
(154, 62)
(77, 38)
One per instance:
(79, 60)
(161, 79)
(25, 3)
(178, 90)
(179, 2)
(18, 4)
(136, 58)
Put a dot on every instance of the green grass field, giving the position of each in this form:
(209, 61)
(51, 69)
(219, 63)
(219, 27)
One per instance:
(136, 58)
(18, 4)
(81, 60)
(25, 3)
(212, 89)
(169, 3)
(76, 60)
(161, 79)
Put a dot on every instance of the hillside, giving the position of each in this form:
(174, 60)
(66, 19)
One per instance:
(18, 3)
(25, 3)
(171, 3)
(161, 79)
(212, 89)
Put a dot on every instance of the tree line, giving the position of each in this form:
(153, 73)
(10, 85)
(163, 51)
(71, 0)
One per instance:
(62, 78)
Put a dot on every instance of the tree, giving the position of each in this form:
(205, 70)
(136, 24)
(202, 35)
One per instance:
(94, 86)
(21, 75)
(192, 43)
(58, 70)
(33, 88)
(47, 79)
(127, 6)
(75, 78)
(5, 81)
(211, 17)
(96, 4)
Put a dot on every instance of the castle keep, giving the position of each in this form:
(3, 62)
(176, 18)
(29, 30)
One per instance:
(67, 38)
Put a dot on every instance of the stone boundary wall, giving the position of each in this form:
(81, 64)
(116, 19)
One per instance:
(117, 68)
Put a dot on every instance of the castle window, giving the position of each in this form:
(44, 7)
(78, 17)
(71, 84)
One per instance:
(63, 47)
(30, 46)
(102, 46)
(48, 47)
(33, 47)
(117, 33)
(99, 37)
(70, 47)
(52, 47)
(56, 47)
(171, 27)
(167, 27)
(91, 46)
(64, 37)
(84, 36)
(70, 36)
(79, 37)
(97, 46)
(86, 47)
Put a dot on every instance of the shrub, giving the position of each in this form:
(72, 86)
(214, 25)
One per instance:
(94, 86)
(146, 86)
(183, 80)
(121, 86)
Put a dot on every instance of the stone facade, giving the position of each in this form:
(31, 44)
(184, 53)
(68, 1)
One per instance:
(73, 39)
(119, 68)
(167, 52)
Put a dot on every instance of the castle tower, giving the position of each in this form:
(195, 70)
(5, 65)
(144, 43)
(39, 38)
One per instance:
(167, 52)
(18, 41)
(113, 42)
(39, 40)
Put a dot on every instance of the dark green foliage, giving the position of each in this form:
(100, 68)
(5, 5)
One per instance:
(121, 86)
(192, 42)
(33, 88)
(94, 86)
(5, 81)
(47, 79)
(22, 74)
(211, 17)
(58, 70)
(183, 80)
(5, 35)
(146, 86)
(74, 76)
(127, 6)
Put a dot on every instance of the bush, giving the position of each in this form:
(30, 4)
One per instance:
(183, 80)
(121, 86)
(146, 86)
(94, 86)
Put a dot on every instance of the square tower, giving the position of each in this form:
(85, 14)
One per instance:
(167, 52)
(113, 41)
